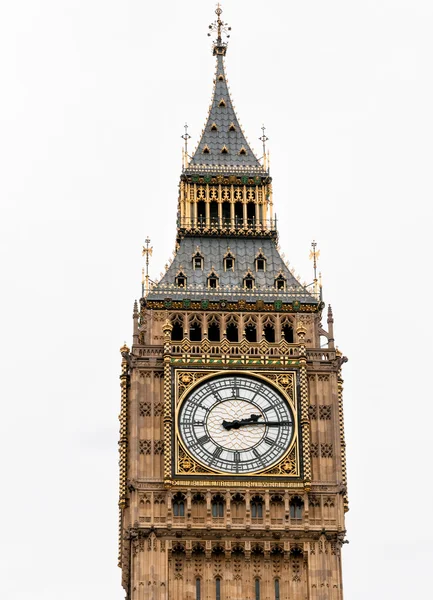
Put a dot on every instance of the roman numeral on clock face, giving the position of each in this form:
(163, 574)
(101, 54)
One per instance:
(269, 441)
(217, 452)
(203, 439)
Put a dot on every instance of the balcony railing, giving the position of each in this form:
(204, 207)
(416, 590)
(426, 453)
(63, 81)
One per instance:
(226, 224)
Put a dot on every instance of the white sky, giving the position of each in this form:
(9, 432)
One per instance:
(93, 98)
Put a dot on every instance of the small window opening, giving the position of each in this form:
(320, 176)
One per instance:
(242, 151)
(213, 212)
(214, 127)
(239, 213)
(280, 283)
(232, 332)
(229, 263)
(213, 332)
(257, 589)
(224, 150)
(222, 102)
(198, 263)
(195, 332)
(269, 333)
(177, 332)
(251, 333)
(218, 589)
(178, 506)
(296, 506)
(206, 150)
(212, 282)
(198, 589)
(277, 589)
(181, 280)
(251, 213)
(256, 508)
(288, 333)
(218, 507)
(201, 210)
(248, 282)
(226, 213)
(220, 77)
(232, 127)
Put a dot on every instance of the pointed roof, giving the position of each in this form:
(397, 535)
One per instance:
(223, 145)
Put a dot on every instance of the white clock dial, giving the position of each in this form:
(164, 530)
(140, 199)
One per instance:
(236, 424)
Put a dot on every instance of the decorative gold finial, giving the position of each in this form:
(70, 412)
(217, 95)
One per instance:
(221, 28)
(147, 251)
(185, 137)
(314, 255)
(263, 138)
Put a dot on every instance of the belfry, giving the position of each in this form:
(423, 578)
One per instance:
(232, 451)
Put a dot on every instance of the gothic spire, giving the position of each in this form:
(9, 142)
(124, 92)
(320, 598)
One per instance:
(223, 145)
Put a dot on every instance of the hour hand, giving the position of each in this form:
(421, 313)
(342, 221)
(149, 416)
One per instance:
(253, 420)
(240, 423)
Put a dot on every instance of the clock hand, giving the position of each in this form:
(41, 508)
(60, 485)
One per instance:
(236, 424)
(253, 420)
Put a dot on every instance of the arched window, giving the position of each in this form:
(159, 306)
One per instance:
(260, 261)
(251, 213)
(198, 589)
(213, 330)
(249, 281)
(198, 261)
(218, 506)
(257, 589)
(280, 282)
(229, 261)
(213, 212)
(296, 507)
(287, 331)
(177, 331)
(232, 331)
(180, 279)
(212, 279)
(226, 214)
(277, 589)
(195, 329)
(178, 505)
(269, 331)
(201, 212)
(217, 588)
(256, 507)
(251, 332)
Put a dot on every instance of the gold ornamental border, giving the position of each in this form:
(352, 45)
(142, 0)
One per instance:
(185, 380)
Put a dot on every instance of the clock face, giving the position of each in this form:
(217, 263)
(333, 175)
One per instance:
(236, 424)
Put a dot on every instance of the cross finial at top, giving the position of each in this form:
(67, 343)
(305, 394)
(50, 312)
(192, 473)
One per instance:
(221, 28)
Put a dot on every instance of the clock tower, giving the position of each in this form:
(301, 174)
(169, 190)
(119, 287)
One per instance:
(232, 452)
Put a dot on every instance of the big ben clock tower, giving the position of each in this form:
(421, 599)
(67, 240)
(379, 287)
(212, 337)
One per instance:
(232, 453)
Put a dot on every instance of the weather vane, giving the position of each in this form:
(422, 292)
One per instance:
(220, 27)
(314, 256)
(147, 251)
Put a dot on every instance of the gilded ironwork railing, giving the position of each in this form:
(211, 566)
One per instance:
(227, 224)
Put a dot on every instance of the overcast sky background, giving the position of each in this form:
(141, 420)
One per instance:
(93, 98)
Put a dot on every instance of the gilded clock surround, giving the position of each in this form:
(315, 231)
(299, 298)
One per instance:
(185, 381)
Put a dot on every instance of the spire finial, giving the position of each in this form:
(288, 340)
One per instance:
(263, 138)
(314, 255)
(185, 137)
(221, 28)
(147, 251)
